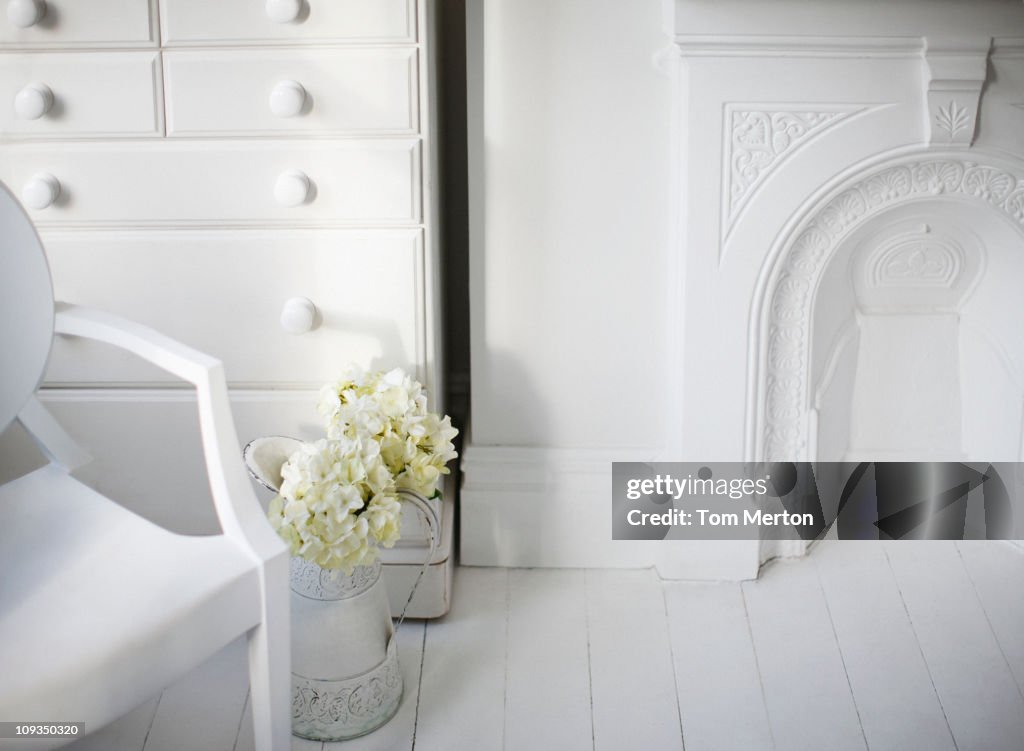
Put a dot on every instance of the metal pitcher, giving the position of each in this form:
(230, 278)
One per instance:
(346, 680)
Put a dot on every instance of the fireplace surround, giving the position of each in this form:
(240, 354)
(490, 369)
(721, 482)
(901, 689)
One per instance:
(890, 152)
(850, 230)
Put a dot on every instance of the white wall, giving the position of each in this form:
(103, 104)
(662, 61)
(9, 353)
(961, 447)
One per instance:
(568, 294)
(570, 222)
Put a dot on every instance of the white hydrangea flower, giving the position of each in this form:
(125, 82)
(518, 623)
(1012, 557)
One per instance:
(338, 498)
(324, 508)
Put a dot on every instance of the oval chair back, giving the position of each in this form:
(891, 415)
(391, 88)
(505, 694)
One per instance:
(26, 308)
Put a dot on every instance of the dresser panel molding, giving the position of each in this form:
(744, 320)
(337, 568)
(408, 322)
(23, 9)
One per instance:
(91, 95)
(85, 23)
(344, 91)
(245, 22)
(224, 183)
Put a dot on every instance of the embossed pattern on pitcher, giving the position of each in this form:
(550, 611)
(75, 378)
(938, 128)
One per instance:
(333, 710)
(310, 580)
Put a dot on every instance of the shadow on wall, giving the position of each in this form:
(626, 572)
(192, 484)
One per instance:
(451, 52)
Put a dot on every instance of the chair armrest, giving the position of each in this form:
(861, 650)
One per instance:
(166, 353)
(239, 512)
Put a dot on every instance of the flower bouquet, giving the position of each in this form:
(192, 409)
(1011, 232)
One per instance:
(339, 498)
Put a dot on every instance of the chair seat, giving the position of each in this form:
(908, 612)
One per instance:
(98, 606)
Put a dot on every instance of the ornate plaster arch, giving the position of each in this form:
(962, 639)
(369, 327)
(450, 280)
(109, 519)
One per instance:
(784, 315)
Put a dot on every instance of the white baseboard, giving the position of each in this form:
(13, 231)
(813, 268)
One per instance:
(538, 507)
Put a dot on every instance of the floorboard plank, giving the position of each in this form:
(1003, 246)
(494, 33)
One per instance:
(898, 706)
(997, 572)
(548, 692)
(462, 701)
(245, 735)
(127, 733)
(971, 676)
(201, 712)
(716, 671)
(806, 688)
(631, 678)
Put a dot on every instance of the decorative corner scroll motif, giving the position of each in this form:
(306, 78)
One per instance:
(957, 70)
(757, 141)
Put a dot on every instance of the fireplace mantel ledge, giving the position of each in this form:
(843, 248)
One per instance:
(835, 27)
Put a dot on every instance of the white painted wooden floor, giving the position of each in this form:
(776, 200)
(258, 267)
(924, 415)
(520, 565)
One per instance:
(900, 646)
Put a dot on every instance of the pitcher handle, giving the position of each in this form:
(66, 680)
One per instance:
(434, 522)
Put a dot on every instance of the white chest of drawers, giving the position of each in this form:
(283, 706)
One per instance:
(195, 165)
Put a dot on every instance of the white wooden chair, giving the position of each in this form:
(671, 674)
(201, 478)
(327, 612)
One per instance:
(99, 608)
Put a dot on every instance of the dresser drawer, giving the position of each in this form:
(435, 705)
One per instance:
(90, 94)
(85, 23)
(337, 91)
(223, 292)
(249, 22)
(222, 183)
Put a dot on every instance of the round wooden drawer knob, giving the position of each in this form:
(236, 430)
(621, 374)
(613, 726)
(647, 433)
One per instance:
(25, 13)
(33, 101)
(298, 315)
(41, 191)
(292, 189)
(284, 11)
(287, 99)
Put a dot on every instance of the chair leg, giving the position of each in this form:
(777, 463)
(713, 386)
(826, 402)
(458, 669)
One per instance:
(270, 663)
